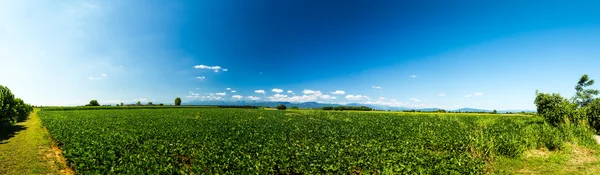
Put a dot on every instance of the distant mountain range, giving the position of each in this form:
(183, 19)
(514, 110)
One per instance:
(320, 105)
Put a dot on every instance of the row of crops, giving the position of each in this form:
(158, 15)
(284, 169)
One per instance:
(244, 141)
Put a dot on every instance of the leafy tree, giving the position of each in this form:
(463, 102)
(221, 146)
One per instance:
(177, 101)
(7, 104)
(93, 103)
(281, 107)
(150, 104)
(139, 103)
(494, 112)
(121, 103)
(584, 96)
(161, 104)
(294, 107)
(556, 109)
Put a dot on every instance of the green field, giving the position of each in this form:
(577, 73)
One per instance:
(243, 141)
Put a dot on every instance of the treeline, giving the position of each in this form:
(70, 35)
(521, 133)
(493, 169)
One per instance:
(347, 108)
(583, 109)
(12, 109)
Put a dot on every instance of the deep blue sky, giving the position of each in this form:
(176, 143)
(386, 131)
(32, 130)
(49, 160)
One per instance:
(447, 54)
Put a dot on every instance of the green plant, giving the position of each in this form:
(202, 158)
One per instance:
(281, 107)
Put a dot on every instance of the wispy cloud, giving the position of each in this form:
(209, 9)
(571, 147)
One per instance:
(357, 97)
(311, 92)
(221, 93)
(413, 76)
(478, 93)
(94, 78)
(214, 68)
(104, 75)
(338, 92)
(376, 87)
(414, 99)
(468, 96)
(233, 91)
(442, 95)
(253, 98)
(290, 91)
(277, 90)
(228, 89)
(201, 78)
(327, 97)
(260, 91)
(237, 97)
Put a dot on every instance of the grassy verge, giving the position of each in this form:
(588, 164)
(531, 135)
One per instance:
(25, 151)
(574, 159)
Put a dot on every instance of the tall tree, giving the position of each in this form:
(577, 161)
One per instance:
(177, 101)
(584, 95)
(93, 103)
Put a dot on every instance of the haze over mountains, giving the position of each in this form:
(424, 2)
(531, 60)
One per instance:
(320, 105)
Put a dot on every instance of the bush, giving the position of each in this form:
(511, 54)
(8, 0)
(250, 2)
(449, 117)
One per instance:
(281, 107)
(295, 107)
(7, 105)
(557, 110)
(177, 101)
(593, 114)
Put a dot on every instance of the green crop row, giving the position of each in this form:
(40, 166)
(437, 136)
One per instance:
(248, 141)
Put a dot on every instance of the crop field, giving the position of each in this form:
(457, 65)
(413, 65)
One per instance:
(251, 141)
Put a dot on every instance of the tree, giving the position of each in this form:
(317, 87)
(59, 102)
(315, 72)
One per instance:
(121, 103)
(281, 107)
(494, 112)
(294, 107)
(161, 104)
(150, 104)
(139, 103)
(7, 104)
(93, 103)
(584, 96)
(177, 101)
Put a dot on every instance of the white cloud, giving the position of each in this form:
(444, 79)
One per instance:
(442, 95)
(228, 89)
(311, 92)
(207, 67)
(338, 92)
(357, 97)
(260, 91)
(94, 78)
(468, 96)
(253, 98)
(376, 87)
(214, 68)
(290, 91)
(277, 90)
(478, 93)
(104, 75)
(201, 78)
(237, 97)
(327, 97)
(414, 99)
(382, 101)
(233, 91)
(221, 93)
(140, 100)
(413, 76)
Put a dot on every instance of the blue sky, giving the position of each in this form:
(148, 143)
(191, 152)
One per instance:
(446, 54)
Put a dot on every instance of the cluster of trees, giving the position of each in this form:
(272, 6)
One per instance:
(581, 109)
(281, 107)
(12, 109)
(348, 108)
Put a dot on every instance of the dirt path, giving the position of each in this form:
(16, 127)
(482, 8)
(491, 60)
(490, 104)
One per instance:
(26, 150)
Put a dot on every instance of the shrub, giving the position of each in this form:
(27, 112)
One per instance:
(593, 114)
(7, 104)
(281, 107)
(556, 109)
(295, 107)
